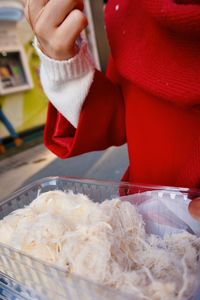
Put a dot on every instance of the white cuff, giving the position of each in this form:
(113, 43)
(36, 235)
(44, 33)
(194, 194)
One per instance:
(68, 97)
(62, 71)
(67, 83)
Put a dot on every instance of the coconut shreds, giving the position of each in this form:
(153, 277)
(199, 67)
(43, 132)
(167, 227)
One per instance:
(106, 243)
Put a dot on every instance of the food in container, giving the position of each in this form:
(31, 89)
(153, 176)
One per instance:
(134, 243)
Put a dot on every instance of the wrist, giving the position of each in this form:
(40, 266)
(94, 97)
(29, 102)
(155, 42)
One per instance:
(59, 71)
(58, 55)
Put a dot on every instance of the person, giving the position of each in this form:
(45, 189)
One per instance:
(5, 121)
(149, 97)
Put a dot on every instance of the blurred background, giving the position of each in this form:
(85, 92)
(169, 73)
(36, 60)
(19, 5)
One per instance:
(23, 106)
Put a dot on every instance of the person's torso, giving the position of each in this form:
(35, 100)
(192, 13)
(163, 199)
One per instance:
(160, 81)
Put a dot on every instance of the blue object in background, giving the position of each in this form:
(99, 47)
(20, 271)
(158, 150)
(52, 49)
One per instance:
(11, 10)
(8, 125)
(10, 290)
(10, 14)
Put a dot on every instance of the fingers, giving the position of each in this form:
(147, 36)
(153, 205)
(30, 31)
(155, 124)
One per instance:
(194, 208)
(35, 6)
(72, 27)
(62, 44)
(33, 10)
(56, 24)
(57, 10)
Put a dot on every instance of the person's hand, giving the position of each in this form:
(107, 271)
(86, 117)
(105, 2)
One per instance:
(57, 25)
(194, 208)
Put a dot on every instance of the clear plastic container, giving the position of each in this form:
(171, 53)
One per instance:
(10, 289)
(164, 209)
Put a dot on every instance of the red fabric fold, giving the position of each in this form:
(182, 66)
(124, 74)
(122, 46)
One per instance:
(101, 123)
(180, 16)
(153, 101)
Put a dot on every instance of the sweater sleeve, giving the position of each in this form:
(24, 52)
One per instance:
(60, 80)
(101, 123)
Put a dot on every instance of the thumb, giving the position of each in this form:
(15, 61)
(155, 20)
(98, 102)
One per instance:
(194, 208)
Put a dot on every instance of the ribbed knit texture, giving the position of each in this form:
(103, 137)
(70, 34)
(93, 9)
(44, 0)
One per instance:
(161, 53)
(60, 80)
(150, 97)
(63, 71)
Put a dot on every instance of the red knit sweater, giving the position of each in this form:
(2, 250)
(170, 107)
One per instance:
(150, 97)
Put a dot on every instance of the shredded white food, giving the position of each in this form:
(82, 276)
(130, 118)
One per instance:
(106, 243)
